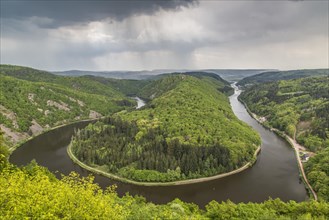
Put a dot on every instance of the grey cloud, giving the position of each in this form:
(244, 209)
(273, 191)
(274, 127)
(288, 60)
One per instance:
(60, 35)
(71, 11)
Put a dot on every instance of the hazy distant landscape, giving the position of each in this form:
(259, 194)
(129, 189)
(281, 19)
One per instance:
(227, 74)
(171, 109)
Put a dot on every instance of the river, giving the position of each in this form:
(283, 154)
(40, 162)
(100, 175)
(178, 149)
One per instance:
(275, 174)
(140, 102)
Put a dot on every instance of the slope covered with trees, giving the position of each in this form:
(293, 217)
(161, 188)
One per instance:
(33, 192)
(300, 108)
(299, 105)
(114, 88)
(317, 169)
(33, 100)
(187, 130)
(271, 76)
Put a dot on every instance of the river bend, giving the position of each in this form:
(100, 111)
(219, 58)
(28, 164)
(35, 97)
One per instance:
(275, 174)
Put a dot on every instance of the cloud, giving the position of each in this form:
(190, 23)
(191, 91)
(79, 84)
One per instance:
(211, 34)
(74, 11)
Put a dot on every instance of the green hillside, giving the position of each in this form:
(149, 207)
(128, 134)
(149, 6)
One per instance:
(33, 100)
(164, 82)
(281, 75)
(298, 107)
(317, 169)
(94, 85)
(187, 130)
(32, 192)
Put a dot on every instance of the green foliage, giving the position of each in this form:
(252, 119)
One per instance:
(32, 192)
(114, 88)
(128, 87)
(26, 93)
(4, 152)
(317, 170)
(188, 130)
(300, 105)
(281, 75)
(30, 100)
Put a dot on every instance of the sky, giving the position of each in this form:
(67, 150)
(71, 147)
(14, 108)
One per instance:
(173, 34)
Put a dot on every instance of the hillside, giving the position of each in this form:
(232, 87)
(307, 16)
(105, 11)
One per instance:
(33, 192)
(317, 169)
(157, 86)
(231, 75)
(114, 88)
(33, 100)
(187, 130)
(281, 75)
(300, 108)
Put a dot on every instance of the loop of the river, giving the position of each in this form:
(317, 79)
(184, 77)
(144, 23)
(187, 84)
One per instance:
(275, 174)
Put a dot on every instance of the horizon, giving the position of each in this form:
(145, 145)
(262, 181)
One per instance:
(170, 69)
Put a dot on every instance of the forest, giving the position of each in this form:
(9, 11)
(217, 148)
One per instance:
(270, 76)
(31, 97)
(299, 107)
(35, 193)
(187, 130)
(165, 122)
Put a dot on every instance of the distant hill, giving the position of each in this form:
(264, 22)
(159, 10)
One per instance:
(234, 75)
(281, 75)
(138, 75)
(158, 87)
(227, 74)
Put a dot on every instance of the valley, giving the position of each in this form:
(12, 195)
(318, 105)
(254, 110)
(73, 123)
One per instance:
(161, 112)
(164, 109)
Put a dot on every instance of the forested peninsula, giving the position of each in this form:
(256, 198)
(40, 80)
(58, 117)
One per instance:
(187, 130)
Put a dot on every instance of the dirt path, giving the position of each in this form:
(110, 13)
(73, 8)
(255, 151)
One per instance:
(297, 147)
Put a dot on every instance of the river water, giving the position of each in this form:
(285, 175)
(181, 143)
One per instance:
(140, 102)
(275, 174)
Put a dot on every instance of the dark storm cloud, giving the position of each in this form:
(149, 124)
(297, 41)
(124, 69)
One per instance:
(68, 12)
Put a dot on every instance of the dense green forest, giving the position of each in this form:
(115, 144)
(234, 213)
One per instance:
(187, 130)
(317, 169)
(32, 192)
(114, 88)
(270, 76)
(299, 107)
(33, 100)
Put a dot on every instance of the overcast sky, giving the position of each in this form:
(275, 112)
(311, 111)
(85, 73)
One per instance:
(177, 34)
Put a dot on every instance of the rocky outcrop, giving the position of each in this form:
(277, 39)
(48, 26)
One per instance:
(35, 128)
(94, 114)
(60, 106)
(13, 136)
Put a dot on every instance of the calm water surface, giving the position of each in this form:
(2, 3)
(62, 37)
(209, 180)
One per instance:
(275, 174)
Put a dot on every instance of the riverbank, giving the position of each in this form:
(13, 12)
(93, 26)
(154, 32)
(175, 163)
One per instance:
(173, 183)
(293, 144)
(13, 148)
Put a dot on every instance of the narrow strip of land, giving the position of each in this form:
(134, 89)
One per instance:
(296, 147)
